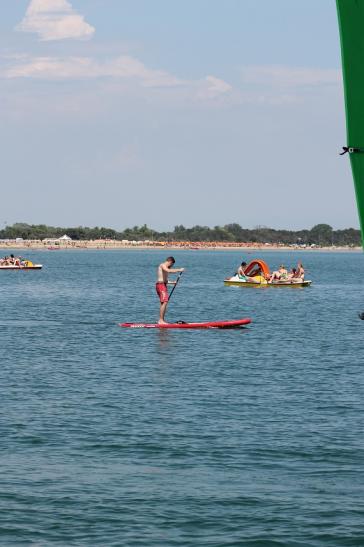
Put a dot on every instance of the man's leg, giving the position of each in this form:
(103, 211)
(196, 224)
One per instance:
(162, 312)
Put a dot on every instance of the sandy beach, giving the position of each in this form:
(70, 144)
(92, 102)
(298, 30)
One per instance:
(17, 246)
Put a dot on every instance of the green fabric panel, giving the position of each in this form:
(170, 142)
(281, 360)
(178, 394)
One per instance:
(351, 21)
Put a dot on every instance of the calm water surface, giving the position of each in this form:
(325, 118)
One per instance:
(249, 437)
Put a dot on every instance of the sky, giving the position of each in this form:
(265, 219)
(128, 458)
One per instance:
(123, 112)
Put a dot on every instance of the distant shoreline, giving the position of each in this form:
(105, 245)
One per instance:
(12, 247)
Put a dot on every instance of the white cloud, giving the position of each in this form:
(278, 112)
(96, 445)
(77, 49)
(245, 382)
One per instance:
(283, 76)
(274, 85)
(55, 20)
(123, 67)
(286, 85)
(126, 69)
(214, 87)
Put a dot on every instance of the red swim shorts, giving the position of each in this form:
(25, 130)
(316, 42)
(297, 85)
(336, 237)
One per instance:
(162, 292)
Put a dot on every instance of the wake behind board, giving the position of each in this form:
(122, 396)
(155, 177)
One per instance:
(203, 325)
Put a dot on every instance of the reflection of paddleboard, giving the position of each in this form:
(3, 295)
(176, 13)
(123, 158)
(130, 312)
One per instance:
(204, 325)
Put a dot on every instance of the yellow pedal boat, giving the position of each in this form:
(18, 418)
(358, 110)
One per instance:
(258, 273)
(27, 265)
(236, 282)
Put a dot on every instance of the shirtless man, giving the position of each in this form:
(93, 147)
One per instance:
(280, 275)
(300, 271)
(164, 270)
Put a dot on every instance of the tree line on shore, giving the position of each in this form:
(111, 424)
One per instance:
(321, 234)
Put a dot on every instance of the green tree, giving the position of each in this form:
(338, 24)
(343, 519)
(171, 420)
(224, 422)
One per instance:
(321, 234)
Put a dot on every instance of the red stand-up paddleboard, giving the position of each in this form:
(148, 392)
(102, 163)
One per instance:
(205, 325)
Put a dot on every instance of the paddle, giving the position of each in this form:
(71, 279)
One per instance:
(175, 285)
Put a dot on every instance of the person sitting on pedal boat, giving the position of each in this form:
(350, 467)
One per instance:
(242, 275)
(292, 276)
(300, 272)
(280, 275)
(241, 271)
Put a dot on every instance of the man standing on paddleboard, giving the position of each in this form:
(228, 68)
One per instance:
(161, 286)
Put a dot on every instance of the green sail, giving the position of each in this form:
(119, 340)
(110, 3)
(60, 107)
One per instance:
(351, 21)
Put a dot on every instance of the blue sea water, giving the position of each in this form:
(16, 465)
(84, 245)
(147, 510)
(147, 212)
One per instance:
(118, 437)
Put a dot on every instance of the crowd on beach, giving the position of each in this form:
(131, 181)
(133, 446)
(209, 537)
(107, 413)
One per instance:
(12, 261)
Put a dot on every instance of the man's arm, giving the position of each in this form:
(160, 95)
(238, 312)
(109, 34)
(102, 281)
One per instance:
(172, 270)
(175, 270)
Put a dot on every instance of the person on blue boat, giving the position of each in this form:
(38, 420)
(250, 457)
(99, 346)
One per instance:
(161, 286)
